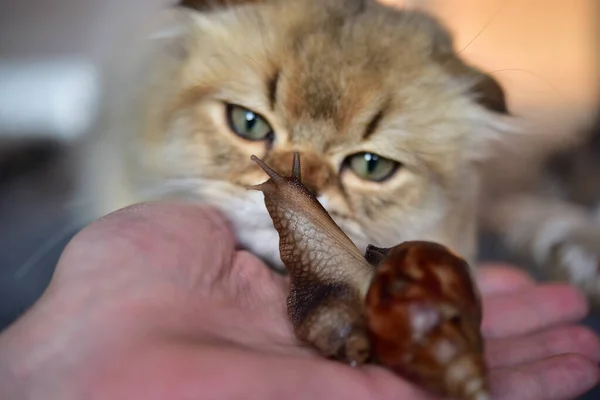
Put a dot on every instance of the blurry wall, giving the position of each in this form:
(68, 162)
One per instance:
(544, 52)
(52, 56)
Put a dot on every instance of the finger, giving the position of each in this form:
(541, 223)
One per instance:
(561, 377)
(537, 346)
(266, 376)
(496, 279)
(383, 384)
(182, 241)
(530, 310)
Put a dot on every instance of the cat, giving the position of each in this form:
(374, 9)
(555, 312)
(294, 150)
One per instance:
(389, 122)
(399, 137)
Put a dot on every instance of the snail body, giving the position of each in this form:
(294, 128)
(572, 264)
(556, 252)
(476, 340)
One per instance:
(412, 308)
(329, 277)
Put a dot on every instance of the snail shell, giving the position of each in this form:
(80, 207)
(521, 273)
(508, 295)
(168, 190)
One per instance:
(424, 316)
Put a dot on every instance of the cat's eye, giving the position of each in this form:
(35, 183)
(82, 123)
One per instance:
(248, 124)
(372, 167)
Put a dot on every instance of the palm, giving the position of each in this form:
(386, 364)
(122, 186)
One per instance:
(172, 323)
(516, 314)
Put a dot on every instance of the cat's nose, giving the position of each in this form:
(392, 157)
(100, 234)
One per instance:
(316, 172)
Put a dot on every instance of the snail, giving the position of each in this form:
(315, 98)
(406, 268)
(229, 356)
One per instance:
(412, 308)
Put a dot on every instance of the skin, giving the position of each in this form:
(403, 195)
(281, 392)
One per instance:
(156, 301)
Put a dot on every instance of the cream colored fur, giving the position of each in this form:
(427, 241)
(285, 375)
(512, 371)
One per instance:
(163, 131)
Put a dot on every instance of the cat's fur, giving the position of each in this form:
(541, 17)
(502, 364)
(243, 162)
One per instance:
(333, 78)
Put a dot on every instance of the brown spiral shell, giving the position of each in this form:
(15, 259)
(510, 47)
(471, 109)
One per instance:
(423, 317)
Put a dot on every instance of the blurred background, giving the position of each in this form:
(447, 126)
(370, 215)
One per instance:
(53, 60)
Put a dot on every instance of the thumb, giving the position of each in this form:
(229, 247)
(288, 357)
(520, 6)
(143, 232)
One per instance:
(180, 241)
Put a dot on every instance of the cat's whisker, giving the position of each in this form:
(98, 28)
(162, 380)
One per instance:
(485, 26)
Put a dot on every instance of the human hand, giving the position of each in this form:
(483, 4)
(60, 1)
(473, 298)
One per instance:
(156, 302)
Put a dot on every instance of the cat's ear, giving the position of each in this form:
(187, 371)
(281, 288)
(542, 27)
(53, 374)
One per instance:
(489, 93)
(207, 5)
(495, 124)
(486, 90)
(493, 119)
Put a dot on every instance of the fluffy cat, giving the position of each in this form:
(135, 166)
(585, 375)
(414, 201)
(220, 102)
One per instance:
(390, 123)
(397, 134)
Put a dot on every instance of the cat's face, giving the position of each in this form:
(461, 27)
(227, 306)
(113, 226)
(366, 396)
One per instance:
(387, 120)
